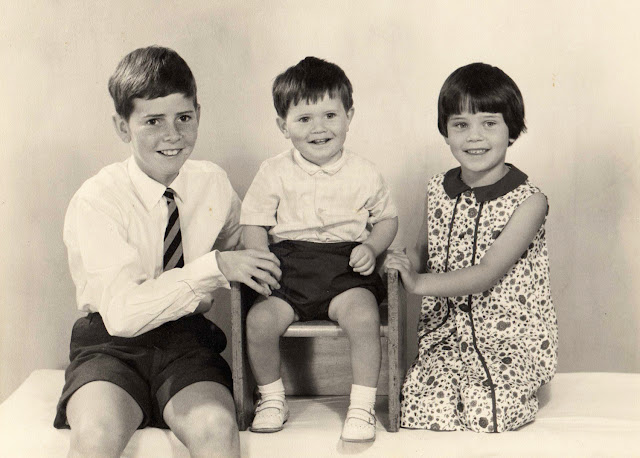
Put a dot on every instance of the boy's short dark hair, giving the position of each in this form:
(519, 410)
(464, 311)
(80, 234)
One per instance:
(310, 79)
(481, 87)
(149, 73)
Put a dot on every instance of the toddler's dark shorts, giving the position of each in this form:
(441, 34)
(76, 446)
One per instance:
(152, 367)
(314, 273)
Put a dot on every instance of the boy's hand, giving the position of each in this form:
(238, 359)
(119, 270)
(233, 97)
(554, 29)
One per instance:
(259, 270)
(363, 259)
(402, 264)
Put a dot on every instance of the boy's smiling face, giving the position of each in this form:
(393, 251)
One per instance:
(317, 130)
(162, 133)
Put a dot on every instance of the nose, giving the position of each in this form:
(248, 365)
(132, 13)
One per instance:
(318, 125)
(172, 133)
(475, 132)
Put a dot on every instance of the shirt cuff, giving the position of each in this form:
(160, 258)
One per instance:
(208, 275)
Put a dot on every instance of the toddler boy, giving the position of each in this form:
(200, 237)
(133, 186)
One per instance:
(327, 215)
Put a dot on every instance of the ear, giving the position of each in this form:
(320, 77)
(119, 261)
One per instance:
(511, 142)
(282, 125)
(446, 139)
(122, 128)
(350, 113)
(198, 113)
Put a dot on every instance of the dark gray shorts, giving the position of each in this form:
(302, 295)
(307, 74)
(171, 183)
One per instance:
(314, 273)
(151, 367)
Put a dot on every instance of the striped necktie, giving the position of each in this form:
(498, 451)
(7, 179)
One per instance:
(172, 237)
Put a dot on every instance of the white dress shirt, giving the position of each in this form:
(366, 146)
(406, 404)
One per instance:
(114, 233)
(299, 200)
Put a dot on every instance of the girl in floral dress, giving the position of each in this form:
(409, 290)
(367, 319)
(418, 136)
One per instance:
(488, 330)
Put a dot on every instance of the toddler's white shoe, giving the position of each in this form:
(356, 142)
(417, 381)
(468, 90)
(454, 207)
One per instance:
(270, 416)
(359, 426)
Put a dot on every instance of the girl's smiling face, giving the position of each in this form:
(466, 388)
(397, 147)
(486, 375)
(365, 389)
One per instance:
(479, 142)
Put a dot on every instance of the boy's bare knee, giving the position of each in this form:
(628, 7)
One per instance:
(358, 312)
(213, 429)
(102, 417)
(98, 437)
(260, 323)
(267, 320)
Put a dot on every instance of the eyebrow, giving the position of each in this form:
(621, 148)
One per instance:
(162, 115)
(484, 115)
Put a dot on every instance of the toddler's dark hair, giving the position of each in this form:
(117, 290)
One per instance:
(309, 80)
(149, 73)
(481, 87)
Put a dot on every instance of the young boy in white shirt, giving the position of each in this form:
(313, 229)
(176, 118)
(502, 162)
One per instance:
(327, 215)
(148, 242)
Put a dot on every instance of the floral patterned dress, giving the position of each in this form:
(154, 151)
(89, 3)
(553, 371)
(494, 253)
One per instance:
(482, 357)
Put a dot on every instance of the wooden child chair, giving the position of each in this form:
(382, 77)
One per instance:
(315, 357)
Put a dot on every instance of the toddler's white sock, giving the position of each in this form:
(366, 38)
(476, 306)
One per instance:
(273, 390)
(363, 397)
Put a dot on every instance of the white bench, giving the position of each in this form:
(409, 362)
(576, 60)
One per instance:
(581, 414)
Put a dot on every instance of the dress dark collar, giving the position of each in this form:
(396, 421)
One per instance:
(454, 186)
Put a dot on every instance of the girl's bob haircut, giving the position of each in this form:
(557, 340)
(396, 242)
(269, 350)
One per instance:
(478, 88)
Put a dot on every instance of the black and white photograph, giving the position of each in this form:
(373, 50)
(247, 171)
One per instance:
(366, 228)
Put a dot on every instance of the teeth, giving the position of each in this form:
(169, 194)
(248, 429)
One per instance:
(320, 142)
(476, 151)
(170, 152)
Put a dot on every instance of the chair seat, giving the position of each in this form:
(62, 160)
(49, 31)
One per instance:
(324, 328)
(321, 329)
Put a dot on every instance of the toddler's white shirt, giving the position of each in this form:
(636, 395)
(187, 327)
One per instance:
(299, 200)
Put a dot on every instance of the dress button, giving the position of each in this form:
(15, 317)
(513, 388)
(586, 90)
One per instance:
(467, 194)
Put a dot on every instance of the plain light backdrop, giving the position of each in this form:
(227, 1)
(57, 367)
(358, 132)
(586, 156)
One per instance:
(576, 63)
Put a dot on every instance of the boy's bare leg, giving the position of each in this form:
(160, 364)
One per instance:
(203, 417)
(103, 417)
(356, 310)
(267, 320)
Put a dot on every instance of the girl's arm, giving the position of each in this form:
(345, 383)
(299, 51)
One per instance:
(503, 254)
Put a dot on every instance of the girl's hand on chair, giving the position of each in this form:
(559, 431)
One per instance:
(402, 264)
(363, 259)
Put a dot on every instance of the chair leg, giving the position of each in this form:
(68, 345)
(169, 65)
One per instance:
(242, 380)
(395, 347)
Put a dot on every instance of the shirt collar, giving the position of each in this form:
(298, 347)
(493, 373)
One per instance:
(454, 186)
(149, 190)
(312, 168)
